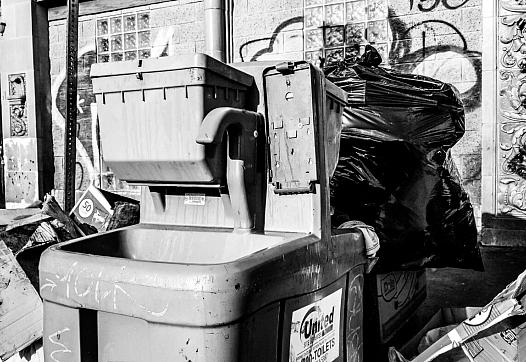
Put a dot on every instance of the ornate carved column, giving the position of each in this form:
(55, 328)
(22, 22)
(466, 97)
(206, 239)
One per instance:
(504, 131)
(25, 103)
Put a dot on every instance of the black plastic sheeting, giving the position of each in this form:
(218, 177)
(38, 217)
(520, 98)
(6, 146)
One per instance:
(395, 172)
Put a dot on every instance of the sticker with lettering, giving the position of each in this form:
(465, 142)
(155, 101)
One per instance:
(315, 330)
(195, 199)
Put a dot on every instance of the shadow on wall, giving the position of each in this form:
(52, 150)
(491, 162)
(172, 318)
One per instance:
(86, 156)
(85, 170)
(443, 57)
(271, 39)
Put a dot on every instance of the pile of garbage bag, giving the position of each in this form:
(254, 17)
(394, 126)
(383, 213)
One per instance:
(395, 171)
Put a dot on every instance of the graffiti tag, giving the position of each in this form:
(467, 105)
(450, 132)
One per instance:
(432, 5)
(355, 310)
(54, 338)
(74, 284)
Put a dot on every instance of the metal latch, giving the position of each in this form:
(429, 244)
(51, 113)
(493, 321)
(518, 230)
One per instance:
(285, 67)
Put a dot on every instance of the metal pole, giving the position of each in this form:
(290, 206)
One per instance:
(70, 127)
(215, 37)
(228, 31)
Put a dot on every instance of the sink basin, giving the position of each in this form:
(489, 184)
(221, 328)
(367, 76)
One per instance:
(177, 245)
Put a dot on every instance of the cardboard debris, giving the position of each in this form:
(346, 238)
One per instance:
(52, 208)
(390, 300)
(44, 233)
(399, 293)
(456, 355)
(9, 215)
(21, 314)
(124, 214)
(507, 340)
(29, 256)
(32, 353)
(490, 335)
(95, 208)
(34, 219)
(28, 234)
(521, 344)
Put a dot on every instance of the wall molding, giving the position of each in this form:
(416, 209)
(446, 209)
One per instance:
(58, 10)
(504, 123)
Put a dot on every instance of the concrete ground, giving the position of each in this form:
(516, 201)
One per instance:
(456, 287)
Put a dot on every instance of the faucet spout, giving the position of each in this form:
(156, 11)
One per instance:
(241, 128)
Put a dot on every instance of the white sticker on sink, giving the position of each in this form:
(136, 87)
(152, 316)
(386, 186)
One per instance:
(315, 330)
(195, 199)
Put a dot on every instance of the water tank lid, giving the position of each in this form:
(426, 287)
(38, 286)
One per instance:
(179, 62)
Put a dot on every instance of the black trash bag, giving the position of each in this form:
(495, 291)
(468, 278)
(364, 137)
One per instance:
(395, 172)
(370, 57)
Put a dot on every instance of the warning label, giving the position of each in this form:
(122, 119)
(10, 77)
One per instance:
(315, 331)
(195, 199)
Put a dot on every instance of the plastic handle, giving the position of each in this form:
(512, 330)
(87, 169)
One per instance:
(218, 120)
(238, 195)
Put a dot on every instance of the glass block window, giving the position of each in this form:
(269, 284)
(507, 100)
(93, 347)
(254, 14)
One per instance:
(123, 37)
(335, 29)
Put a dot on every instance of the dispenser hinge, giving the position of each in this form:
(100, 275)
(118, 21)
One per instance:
(285, 67)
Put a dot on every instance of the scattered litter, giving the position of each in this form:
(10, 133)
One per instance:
(490, 335)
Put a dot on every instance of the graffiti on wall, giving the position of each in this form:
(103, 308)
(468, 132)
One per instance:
(85, 170)
(267, 43)
(439, 60)
(426, 6)
(436, 38)
(415, 47)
